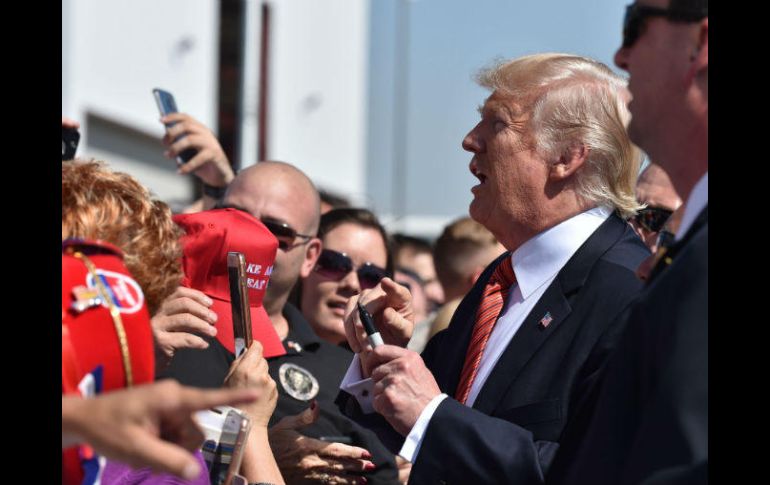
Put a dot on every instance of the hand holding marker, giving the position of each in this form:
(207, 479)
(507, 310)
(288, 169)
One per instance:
(375, 338)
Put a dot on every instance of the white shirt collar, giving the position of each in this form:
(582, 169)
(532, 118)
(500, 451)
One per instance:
(538, 260)
(698, 199)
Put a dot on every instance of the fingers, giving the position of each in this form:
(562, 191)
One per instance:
(69, 123)
(341, 451)
(328, 476)
(253, 354)
(173, 341)
(182, 430)
(354, 329)
(188, 141)
(297, 421)
(203, 156)
(191, 399)
(183, 124)
(397, 295)
(398, 327)
(165, 457)
(192, 304)
(383, 355)
(197, 295)
(248, 364)
(189, 306)
(185, 322)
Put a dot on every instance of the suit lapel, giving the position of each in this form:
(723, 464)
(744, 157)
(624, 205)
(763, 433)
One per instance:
(528, 339)
(555, 303)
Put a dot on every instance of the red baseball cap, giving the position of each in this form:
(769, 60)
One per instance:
(106, 335)
(210, 235)
(92, 334)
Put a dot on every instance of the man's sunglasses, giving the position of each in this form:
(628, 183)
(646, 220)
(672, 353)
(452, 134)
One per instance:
(652, 218)
(636, 14)
(285, 234)
(335, 265)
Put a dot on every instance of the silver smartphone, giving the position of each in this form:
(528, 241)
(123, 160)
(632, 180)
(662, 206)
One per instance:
(226, 430)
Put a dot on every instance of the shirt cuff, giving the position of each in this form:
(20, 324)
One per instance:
(413, 441)
(362, 389)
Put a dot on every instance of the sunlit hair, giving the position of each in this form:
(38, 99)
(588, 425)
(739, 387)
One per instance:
(571, 101)
(98, 203)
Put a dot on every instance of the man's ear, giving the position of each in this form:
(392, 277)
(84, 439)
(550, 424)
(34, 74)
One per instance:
(569, 162)
(312, 252)
(699, 59)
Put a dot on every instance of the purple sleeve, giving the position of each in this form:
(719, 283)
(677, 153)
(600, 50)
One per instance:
(116, 473)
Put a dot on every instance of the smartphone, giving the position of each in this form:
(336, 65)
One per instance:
(167, 105)
(69, 143)
(239, 301)
(226, 429)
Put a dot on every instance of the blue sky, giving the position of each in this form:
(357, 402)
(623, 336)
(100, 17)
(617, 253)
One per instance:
(448, 42)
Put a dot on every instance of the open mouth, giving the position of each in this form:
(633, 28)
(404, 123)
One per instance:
(338, 307)
(476, 173)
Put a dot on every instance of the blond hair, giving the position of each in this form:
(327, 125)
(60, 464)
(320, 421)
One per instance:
(574, 101)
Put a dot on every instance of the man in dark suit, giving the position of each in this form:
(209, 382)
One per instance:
(647, 419)
(489, 398)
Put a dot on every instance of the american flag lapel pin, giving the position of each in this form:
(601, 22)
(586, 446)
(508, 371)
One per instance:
(546, 320)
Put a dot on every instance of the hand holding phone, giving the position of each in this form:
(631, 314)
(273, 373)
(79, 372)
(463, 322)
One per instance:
(226, 430)
(167, 105)
(239, 301)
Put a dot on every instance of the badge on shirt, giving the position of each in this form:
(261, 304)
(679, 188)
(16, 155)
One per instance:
(298, 382)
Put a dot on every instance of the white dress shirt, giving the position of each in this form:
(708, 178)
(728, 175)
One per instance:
(535, 264)
(697, 200)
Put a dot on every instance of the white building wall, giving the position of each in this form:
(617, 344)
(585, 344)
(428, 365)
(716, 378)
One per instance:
(116, 52)
(317, 107)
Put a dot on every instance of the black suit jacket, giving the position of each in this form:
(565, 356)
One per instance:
(647, 419)
(511, 433)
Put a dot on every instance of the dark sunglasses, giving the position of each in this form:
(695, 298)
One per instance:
(335, 265)
(285, 234)
(636, 14)
(652, 218)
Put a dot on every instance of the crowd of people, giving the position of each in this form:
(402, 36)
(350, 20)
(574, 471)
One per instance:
(558, 335)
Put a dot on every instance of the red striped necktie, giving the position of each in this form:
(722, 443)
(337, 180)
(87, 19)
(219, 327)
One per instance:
(492, 303)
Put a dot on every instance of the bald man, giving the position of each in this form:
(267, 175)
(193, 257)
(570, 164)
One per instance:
(655, 190)
(287, 202)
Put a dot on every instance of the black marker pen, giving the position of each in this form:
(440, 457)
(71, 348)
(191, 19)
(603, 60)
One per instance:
(374, 336)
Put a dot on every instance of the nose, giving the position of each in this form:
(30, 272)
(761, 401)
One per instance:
(472, 142)
(621, 58)
(349, 285)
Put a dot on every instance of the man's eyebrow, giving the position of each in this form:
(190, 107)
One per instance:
(495, 108)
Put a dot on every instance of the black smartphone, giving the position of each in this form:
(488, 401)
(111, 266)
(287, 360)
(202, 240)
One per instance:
(239, 301)
(167, 105)
(69, 143)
